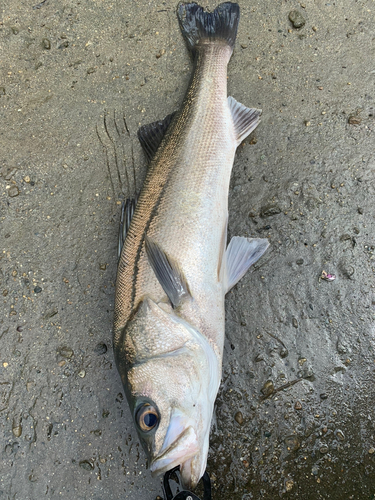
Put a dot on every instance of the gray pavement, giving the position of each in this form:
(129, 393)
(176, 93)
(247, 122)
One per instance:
(295, 413)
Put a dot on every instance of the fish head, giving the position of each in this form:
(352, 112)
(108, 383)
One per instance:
(171, 375)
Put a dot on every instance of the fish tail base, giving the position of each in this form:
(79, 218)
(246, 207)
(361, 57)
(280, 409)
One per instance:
(197, 25)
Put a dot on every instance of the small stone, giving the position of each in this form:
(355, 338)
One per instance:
(268, 388)
(323, 449)
(284, 352)
(295, 322)
(15, 30)
(90, 71)
(64, 45)
(299, 262)
(17, 430)
(66, 352)
(253, 141)
(297, 19)
(354, 120)
(100, 348)
(340, 435)
(307, 123)
(61, 363)
(46, 44)
(103, 266)
(323, 396)
(239, 418)
(269, 210)
(298, 405)
(289, 483)
(82, 373)
(160, 53)
(105, 413)
(26, 179)
(13, 191)
(360, 210)
(371, 451)
(292, 443)
(301, 361)
(267, 434)
(244, 46)
(86, 464)
(37, 289)
(2, 90)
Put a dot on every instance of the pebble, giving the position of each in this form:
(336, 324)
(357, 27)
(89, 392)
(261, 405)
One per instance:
(295, 322)
(100, 348)
(360, 210)
(239, 418)
(160, 53)
(17, 430)
(323, 395)
(85, 464)
(13, 191)
(90, 71)
(66, 352)
(284, 352)
(298, 405)
(323, 449)
(269, 210)
(371, 451)
(268, 388)
(292, 443)
(82, 373)
(289, 484)
(103, 266)
(354, 120)
(37, 289)
(340, 435)
(299, 262)
(26, 179)
(46, 44)
(297, 19)
(2, 90)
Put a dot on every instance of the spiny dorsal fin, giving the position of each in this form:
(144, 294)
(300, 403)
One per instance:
(151, 135)
(240, 255)
(127, 212)
(245, 119)
(167, 272)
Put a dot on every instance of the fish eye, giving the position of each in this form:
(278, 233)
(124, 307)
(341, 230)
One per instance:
(147, 417)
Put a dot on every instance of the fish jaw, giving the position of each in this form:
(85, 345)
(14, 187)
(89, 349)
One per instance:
(183, 449)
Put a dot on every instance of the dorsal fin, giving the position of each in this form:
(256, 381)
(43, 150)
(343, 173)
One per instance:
(151, 135)
(245, 119)
(127, 212)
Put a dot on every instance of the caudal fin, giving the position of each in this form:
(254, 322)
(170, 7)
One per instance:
(197, 25)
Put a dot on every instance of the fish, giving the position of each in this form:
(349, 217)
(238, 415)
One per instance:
(175, 266)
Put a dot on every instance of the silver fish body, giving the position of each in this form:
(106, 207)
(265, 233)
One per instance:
(175, 267)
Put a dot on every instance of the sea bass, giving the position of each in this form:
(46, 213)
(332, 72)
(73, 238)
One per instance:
(175, 267)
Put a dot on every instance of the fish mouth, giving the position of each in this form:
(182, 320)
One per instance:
(182, 450)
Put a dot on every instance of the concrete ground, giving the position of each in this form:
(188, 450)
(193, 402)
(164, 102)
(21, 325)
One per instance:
(295, 414)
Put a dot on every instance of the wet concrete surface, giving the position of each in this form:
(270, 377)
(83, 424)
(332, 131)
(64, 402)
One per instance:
(295, 413)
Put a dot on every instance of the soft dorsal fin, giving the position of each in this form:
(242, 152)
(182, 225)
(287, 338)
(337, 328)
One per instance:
(151, 135)
(127, 212)
(167, 272)
(240, 255)
(245, 119)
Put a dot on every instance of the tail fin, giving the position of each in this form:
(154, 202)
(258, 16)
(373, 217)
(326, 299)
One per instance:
(196, 24)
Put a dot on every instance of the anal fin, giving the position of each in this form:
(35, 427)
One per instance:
(245, 119)
(240, 255)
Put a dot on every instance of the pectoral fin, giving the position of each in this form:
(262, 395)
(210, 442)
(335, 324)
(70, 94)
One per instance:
(240, 255)
(245, 119)
(167, 272)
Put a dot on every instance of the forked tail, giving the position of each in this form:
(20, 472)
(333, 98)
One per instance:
(197, 25)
